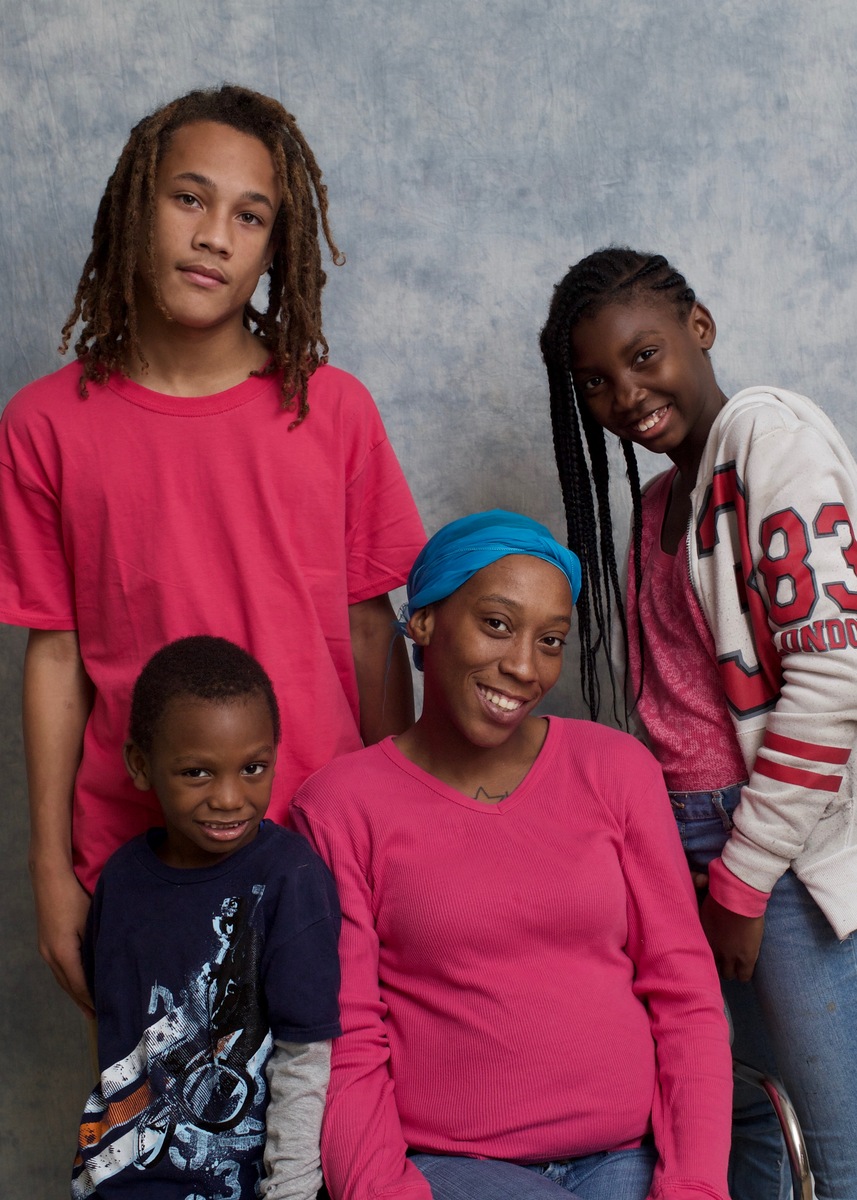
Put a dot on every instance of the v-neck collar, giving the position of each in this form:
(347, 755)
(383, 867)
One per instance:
(516, 797)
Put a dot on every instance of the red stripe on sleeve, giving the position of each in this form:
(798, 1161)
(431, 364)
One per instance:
(797, 776)
(811, 750)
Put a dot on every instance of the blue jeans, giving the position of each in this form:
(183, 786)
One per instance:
(796, 1019)
(614, 1175)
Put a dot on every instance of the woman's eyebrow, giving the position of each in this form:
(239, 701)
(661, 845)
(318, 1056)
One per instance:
(495, 598)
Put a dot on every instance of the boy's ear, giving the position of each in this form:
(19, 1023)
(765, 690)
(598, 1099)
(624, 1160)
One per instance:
(420, 626)
(137, 765)
(703, 326)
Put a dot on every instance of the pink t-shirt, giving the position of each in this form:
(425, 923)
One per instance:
(136, 518)
(682, 706)
(525, 980)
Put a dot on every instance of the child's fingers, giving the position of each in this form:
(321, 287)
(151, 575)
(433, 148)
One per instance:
(700, 880)
(734, 939)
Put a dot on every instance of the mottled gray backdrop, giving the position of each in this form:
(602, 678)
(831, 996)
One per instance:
(472, 150)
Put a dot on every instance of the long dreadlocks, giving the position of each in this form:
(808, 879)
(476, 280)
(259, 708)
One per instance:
(615, 275)
(105, 300)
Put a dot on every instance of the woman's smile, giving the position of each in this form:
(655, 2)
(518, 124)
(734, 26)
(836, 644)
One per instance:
(493, 650)
(495, 699)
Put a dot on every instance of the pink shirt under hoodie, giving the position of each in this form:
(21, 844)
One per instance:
(524, 980)
(682, 704)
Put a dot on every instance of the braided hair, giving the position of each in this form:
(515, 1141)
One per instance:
(290, 327)
(615, 275)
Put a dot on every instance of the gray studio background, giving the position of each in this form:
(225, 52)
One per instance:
(472, 151)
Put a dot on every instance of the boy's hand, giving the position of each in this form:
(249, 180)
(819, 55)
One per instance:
(62, 906)
(57, 701)
(383, 674)
(734, 939)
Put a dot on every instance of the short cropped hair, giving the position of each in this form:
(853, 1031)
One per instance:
(200, 667)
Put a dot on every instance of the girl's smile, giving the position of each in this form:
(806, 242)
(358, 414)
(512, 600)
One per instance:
(652, 421)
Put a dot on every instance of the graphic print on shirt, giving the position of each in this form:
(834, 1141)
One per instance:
(187, 1099)
(752, 673)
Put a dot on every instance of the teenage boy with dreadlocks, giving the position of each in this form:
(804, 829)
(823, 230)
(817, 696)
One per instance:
(198, 469)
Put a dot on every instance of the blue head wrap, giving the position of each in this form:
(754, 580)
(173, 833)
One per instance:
(460, 549)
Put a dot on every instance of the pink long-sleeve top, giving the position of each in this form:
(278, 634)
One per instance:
(525, 980)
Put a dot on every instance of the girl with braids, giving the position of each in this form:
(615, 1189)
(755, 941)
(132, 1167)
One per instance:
(740, 629)
(198, 469)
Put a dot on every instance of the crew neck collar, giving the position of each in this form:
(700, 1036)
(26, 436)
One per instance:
(147, 853)
(190, 406)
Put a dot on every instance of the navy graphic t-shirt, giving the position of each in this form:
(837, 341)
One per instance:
(194, 972)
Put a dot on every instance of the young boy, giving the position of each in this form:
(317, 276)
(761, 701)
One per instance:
(198, 469)
(211, 954)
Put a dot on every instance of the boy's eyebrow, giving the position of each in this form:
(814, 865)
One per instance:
(204, 181)
(198, 757)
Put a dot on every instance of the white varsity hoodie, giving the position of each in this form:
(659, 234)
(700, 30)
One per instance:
(773, 561)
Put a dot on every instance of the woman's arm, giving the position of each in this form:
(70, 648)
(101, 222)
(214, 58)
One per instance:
(57, 702)
(676, 980)
(362, 1146)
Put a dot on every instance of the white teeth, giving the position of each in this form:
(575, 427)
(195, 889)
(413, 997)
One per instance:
(650, 421)
(504, 702)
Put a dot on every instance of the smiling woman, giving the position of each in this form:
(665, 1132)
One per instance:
(519, 928)
(491, 595)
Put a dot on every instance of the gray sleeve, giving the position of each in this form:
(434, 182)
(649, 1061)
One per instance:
(298, 1074)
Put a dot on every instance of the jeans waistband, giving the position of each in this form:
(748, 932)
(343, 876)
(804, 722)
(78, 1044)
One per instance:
(702, 806)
